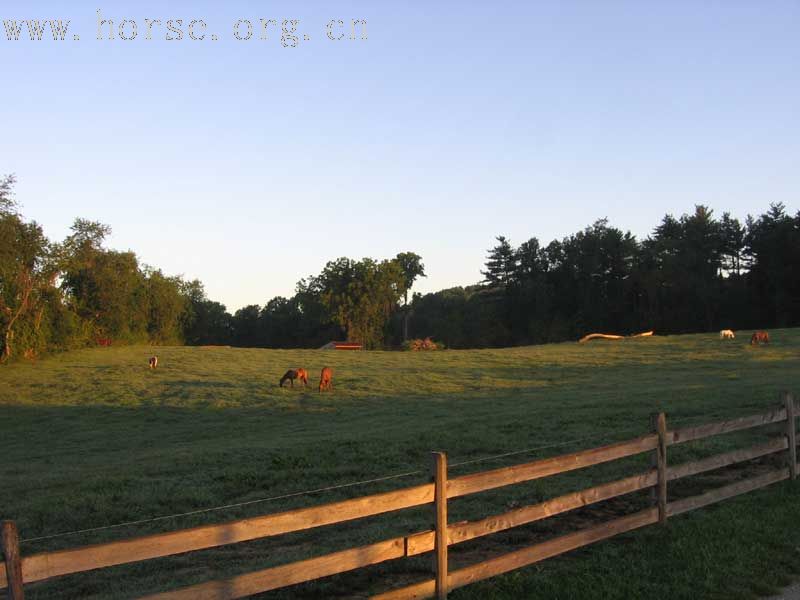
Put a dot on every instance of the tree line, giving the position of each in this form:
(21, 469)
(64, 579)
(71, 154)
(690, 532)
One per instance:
(364, 301)
(693, 273)
(76, 293)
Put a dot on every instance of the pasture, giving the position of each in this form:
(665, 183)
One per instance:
(94, 438)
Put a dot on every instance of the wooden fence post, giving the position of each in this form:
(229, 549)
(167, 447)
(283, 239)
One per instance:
(440, 539)
(11, 555)
(659, 424)
(791, 432)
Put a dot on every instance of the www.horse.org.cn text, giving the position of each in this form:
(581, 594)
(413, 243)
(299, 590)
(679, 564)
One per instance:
(288, 33)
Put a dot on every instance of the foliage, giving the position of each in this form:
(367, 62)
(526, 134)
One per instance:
(501, 264)
(26, 272)
(358, 296)
(204, 322)
(166, 305)
(418, 345)
(694, 273)
(412, 268)
(8, 205)
(57, 296)
(772, 245)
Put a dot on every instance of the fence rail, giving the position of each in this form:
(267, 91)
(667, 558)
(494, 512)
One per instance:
(16, 570)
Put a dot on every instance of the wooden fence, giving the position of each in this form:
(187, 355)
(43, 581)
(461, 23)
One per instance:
(18, 570)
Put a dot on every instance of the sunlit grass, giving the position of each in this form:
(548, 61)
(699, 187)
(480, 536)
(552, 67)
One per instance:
(94, 437)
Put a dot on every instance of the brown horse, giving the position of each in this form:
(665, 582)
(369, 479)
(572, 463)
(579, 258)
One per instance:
(759, 337)
(326, 379)
(293, 374)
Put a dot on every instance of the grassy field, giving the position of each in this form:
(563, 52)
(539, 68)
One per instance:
(94, 438)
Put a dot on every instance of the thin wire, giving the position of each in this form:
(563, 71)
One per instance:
(710, 419)
(225, 507)
(308, 492)
(517, 452)
(604, 435)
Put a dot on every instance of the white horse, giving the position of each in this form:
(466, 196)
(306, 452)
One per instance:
(726, 334)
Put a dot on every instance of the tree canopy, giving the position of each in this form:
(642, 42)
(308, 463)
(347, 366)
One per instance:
(696, 272)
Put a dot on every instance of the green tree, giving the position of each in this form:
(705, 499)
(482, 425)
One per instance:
(732, 236)
(358, 296)
(411, 266)
(105, 288)
(26, 273)
(501, 264)
(8, 206)
(246, 327)
(282, 323)
(166, 308)
(773, 247)
(204, 321)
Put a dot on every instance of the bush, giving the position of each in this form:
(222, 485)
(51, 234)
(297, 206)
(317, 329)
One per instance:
(426, 344)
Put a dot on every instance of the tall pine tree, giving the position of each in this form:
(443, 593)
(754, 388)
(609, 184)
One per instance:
(501, 264)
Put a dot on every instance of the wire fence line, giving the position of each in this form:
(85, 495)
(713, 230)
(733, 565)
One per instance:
(299, 493)
(606, 435)
(224, 507)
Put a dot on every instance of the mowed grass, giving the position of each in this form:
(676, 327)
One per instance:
(95, 438)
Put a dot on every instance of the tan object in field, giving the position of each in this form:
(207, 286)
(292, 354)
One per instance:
(610, 336)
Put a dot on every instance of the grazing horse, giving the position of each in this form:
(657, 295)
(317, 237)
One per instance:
(759, 337)
(153, 362)
(293, 374)
(326, 379)
(726, 334)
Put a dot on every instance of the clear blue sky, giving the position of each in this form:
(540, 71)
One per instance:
(249, 165)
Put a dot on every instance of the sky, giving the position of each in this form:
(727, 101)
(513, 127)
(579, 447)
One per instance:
(249, 165)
